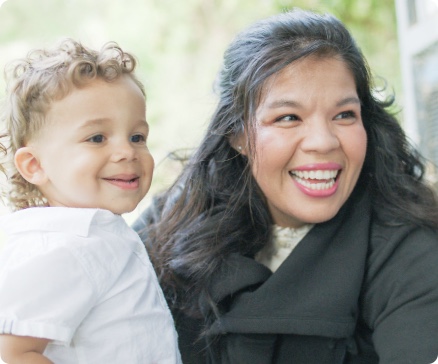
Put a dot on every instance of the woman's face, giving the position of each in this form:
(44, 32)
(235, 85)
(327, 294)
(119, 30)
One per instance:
(310, 141)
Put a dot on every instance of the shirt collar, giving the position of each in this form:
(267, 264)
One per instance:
(73, 220)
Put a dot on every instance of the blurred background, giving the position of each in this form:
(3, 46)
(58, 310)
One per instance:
(179, 47)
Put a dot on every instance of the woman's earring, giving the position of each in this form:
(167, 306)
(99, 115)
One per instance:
(239, 147)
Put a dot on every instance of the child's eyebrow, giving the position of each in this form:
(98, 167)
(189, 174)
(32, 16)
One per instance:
(93, 122)
(89, 123)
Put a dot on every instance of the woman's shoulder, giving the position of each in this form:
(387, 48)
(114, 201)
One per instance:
(153, 214)
(398, 233)
(149, 216)
(400, 242)
(399, 300)
(401, 259)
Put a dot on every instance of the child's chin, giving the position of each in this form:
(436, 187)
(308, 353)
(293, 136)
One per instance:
(120, 211)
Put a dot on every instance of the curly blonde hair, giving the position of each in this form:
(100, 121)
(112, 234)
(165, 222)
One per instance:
(33, 83)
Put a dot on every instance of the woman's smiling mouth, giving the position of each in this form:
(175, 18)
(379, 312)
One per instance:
(317, 181)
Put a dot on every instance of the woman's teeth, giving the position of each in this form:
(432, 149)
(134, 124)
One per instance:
(318, 174)
(309, 178)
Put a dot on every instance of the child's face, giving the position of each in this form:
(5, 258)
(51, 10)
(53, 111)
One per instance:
(93, 150)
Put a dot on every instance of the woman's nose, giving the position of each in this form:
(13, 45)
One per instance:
(320, 136)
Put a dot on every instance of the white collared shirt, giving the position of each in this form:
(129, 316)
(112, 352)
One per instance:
(82, 278)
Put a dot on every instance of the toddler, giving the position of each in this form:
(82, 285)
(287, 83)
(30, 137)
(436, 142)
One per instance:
(76, 284)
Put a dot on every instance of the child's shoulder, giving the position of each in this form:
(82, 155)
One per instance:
(97, 240)
(50, 219)
(45, 232)
(72, 222)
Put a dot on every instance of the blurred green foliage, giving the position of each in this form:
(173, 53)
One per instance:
(179, 46)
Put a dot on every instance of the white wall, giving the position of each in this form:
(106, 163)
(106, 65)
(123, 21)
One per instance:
(414, 39)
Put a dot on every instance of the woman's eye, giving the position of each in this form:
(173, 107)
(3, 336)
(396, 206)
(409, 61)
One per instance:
(96, 138)
(345, 115)
(138, 138)
(290, 117)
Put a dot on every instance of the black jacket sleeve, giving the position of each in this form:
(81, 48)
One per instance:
(400, 300)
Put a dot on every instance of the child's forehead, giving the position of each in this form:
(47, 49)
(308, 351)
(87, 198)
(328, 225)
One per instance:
(91, 87)
(98, 102)
(85, 83)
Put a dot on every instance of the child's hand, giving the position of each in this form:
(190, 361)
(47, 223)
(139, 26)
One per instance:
(23, 349)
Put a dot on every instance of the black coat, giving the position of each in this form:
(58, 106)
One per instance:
(352, 291)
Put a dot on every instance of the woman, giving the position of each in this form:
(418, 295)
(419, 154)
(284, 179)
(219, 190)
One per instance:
(301, 230)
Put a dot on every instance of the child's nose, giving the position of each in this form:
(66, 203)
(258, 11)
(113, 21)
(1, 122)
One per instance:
(124, 151)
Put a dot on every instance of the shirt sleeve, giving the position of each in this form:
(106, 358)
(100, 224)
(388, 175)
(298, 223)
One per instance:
(401, 300)
(44, 292)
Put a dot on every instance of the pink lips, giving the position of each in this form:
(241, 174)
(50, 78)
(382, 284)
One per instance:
(319, 166)
(125, 182)
(317, 179)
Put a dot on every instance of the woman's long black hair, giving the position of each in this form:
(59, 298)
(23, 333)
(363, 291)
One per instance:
(215, 207)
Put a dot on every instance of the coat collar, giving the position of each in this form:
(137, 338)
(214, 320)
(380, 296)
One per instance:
(314, 292)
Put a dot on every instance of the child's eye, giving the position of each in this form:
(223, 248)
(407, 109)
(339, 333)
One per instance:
(99, 138)
(138, 138)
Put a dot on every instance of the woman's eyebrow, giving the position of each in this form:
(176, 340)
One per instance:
(291, 103)
(349, 100)
(283, 103)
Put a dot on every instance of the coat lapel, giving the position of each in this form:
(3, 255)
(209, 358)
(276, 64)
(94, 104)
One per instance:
(314, 292)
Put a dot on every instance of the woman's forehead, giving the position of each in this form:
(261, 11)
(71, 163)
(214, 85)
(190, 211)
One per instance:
(298, 77)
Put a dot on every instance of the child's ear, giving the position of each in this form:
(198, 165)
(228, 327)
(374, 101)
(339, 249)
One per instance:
(28, 165)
